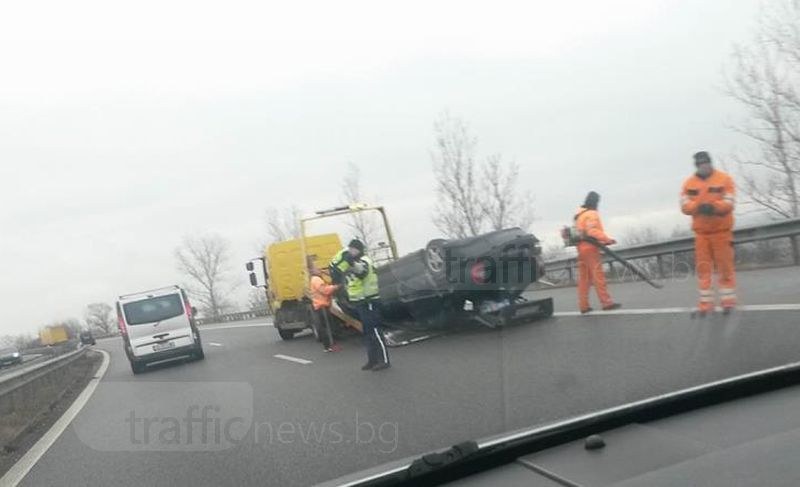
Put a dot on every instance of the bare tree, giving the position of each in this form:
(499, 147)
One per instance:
(98, 316)
(641, 235)
(363, 224)
(283, 224)
(765, 81)
(502, 205)
(21, 342)
(471, 196)
(680, 231)
(257, 300)
(205, 261)
(73, 326)
(459, 212)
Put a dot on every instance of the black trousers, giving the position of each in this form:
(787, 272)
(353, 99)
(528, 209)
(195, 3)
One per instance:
(370, 317)
(323, 323)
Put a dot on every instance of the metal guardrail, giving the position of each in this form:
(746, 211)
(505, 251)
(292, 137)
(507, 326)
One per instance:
(238, 316)
(14, 380)
(788, 229)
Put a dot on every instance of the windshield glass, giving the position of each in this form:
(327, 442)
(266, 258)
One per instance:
(153, 310)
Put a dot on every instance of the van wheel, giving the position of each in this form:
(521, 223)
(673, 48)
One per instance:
(137, 367)
(286, 334)
(199, 354)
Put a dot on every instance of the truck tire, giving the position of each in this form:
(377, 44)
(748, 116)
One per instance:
(286, 334)
(137, 367)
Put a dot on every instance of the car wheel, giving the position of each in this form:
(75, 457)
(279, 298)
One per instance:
(435, 256)
(286, 334)
(137, 367)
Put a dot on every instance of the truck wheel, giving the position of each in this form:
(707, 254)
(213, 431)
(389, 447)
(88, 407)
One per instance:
(434, 256)
(286, 334)
(137, 367)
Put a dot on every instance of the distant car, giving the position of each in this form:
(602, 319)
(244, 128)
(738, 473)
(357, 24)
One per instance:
(87, 338)
(10, 356)
(156, 326)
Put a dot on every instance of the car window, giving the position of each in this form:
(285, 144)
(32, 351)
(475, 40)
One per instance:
(153, 309)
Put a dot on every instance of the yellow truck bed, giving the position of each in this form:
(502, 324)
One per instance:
(285, 263)
(53, 335)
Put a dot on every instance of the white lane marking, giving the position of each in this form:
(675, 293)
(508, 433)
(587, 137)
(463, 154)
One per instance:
(661, 311)
(24, 465)
(224, 327)
(215, 344)
(293, 359)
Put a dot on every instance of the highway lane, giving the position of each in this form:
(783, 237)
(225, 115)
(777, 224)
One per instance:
(763, 286)
(449, 389)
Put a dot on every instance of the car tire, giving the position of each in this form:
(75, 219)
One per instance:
(137, 367)
(286, 334)
(434, 256)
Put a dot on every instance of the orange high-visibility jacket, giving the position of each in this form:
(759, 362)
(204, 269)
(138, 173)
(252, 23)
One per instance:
(588, 224)
(321, 292)
(717, 190)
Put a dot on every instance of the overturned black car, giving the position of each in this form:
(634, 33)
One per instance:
(479, 278)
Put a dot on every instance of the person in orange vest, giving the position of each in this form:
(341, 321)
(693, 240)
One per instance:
(590, 261)
(708, 196)
(321, 293)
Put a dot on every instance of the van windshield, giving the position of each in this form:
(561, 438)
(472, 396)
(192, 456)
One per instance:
(153, 309)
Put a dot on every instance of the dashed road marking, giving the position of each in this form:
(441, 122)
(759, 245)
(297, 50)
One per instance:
(239, 325)
(293, 359)
(215, 344)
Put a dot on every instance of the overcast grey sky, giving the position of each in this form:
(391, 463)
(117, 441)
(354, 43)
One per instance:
(124, 127)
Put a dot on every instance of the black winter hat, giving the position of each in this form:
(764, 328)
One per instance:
(592, 199)
(357, 244)
(702, 157)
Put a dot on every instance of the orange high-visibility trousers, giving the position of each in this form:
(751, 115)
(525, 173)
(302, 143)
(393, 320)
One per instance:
(713, 253)
(590, 272)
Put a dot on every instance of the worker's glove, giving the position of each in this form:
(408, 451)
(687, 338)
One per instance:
(706, 209)
(359, 269)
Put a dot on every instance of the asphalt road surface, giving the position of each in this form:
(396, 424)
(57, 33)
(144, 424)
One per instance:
(309, 416)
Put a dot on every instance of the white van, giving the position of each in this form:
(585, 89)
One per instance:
(157, 325)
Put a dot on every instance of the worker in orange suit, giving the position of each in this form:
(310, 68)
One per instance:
(590, 260)
(321, 293)
(708, 196)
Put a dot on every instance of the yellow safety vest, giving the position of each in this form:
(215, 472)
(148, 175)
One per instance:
(359, 289)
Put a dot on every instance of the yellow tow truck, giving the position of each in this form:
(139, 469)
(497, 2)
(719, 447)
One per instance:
(285, 272)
